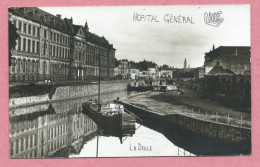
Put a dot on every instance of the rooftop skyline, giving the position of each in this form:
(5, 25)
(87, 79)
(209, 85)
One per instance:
(162, 42)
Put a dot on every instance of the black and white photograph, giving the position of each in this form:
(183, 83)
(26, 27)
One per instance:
(129, 81)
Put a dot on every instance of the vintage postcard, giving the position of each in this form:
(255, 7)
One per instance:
(129, 81)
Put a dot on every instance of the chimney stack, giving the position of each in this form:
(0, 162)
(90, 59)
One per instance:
(59, 16)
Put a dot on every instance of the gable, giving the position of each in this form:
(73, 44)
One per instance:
(80, 33)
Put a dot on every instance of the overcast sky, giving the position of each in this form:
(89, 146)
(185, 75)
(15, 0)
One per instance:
(162, 42)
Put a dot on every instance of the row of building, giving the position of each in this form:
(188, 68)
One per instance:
(124, 71)
(53, 48)
(234, 58)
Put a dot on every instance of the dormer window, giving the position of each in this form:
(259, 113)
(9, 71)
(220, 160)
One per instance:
(30, 13)
(21, 10)
(35, 11)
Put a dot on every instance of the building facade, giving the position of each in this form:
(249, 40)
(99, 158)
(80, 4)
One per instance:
(52, 48)
(234, 58)
(123, 69)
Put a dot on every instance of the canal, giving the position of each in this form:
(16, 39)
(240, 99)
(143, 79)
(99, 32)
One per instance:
(61, 130)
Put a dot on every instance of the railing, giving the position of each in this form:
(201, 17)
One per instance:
(182, 152)
(218, 117)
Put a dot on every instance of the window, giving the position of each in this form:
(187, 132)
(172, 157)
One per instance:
(50, 50)
(38, 47)
(17, 146)
(54, 50)
(20, 26)
(24, 27)
(54, 36)
(24, 44)
(44, 48)
(33, 31)
(44, 67)
(14, 22)
(31, 141)
(51, 35)
(29, 29)
(57, 51)
(19, 44)
(38, 31)
(22, 144)
(29, 45)
(33, 46)
(58, 37)
(45, 33)
(11, 148)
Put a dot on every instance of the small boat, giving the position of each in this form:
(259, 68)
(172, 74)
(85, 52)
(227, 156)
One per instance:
(112, 119)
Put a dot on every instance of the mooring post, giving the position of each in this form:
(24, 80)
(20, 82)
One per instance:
(228, 118)
(216, 117)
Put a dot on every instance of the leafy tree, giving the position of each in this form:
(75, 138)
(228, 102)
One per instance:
(116, 62)
(13, 36)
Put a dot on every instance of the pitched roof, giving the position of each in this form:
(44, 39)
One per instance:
(218, 70)
(231, 50)
(64, 25)
(40, 16)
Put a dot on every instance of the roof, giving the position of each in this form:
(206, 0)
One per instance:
(93, 38)
(231, 50)
(63, 25)
(40, 16)
(218, 70)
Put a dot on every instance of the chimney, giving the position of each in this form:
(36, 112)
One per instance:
(213, 48)
(59, 16)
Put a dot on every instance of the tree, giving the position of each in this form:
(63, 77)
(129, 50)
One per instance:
(116, 62)
(13, 36)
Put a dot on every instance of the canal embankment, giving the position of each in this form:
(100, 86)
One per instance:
(32, 94)
(194, 129)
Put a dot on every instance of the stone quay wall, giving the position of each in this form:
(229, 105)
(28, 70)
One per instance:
(223, 132)
(68, 92)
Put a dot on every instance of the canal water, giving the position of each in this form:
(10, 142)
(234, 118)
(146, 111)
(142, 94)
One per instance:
(61, 130)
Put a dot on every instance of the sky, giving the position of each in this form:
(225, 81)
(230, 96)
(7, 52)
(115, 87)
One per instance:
(160, 41)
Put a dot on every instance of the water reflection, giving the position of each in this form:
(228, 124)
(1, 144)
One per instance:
(44, 130)
(61, 130)
(145, 142)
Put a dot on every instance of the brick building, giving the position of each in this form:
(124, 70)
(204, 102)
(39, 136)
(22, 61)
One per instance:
(53, 48)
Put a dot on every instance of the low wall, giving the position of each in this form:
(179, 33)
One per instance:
(210, 129)
(67, 92)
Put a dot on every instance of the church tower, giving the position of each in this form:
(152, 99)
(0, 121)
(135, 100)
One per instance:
(185, 64)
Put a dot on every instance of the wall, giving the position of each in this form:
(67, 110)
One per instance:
(69, 92)
(186, 124)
